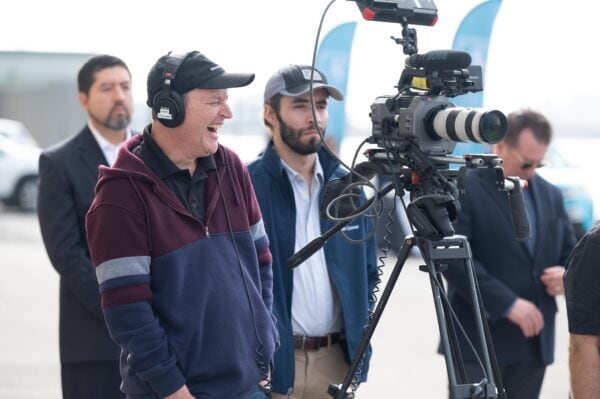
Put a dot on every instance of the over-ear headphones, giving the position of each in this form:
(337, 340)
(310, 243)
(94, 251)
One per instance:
(168, 104)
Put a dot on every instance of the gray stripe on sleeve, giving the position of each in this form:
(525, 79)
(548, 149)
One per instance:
(123, 267)
(258, 230)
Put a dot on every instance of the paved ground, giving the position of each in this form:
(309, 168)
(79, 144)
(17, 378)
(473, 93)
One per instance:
(404, 363)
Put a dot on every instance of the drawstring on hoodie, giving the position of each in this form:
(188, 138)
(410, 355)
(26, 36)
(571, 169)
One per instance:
(235, 190)
(137, 190)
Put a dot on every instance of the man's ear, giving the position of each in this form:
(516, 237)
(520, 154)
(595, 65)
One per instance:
(269, 115)
(83, 99)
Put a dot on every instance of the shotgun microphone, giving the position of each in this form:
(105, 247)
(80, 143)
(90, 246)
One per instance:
(439, 60)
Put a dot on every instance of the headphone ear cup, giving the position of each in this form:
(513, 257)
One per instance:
(169, 107)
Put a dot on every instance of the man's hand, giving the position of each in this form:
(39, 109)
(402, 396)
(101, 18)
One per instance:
(527, 316)
(181, 393)
(553, 280)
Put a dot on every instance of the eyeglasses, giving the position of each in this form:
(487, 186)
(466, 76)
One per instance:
(527, 164)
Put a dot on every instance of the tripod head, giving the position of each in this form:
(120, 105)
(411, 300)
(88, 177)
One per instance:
(434, 192)
(434, 188)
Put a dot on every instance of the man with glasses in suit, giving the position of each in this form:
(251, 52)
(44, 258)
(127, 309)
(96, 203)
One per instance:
(518, 280)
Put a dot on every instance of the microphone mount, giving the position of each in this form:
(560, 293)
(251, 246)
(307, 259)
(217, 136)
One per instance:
(409, 38)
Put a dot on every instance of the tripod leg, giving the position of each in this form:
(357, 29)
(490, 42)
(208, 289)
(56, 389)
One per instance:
(457, 359)
(490, 362)
(490, 347)
(341, 392)
(436, 254)
(448, 343)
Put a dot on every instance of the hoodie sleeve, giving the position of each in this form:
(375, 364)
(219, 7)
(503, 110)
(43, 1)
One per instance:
(261, 240)
(118, 241)
(265, 261)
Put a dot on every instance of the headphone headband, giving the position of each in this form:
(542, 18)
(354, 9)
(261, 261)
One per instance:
(172, 64)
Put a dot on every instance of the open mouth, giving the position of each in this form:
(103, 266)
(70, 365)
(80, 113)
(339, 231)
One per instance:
(212, 128)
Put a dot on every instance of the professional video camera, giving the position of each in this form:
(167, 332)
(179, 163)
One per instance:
(415, 131)
(421, 110)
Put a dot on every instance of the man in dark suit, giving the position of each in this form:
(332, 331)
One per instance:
(518, 280)
(68, 175)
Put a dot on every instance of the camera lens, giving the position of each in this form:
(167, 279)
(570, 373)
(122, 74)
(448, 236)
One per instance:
(492, 126)
(468, 125)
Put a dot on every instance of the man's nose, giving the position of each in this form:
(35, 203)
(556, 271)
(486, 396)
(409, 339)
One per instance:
(119, 93)
(226, 111)
(314, 117)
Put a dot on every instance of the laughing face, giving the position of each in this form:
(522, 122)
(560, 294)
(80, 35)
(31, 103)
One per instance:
(205, 112)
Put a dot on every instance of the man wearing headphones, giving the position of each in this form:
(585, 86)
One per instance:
(180, 251)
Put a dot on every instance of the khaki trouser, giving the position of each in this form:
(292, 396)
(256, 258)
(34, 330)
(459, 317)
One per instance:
(315, 370)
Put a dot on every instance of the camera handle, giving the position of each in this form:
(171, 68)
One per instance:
(436, 255)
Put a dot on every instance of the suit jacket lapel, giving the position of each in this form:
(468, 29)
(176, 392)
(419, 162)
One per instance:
(90, 152)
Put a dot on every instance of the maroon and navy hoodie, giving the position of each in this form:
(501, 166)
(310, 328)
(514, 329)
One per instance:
(188, 302)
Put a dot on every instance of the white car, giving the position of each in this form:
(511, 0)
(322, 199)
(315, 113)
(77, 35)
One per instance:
(16, 131)
(18, 173)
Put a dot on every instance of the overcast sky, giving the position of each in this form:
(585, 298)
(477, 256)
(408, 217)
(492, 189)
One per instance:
(539, 54)
(256, 36)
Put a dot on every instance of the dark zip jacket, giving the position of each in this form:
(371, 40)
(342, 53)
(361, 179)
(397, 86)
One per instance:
(189, 303)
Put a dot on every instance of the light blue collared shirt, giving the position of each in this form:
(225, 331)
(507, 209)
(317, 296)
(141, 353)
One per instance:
(316, 310)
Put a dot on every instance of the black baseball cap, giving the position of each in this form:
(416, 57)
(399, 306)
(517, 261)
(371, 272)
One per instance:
(294, 80)
(195, 71)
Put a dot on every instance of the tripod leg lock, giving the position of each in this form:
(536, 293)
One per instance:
(467, 391)
(335, 391)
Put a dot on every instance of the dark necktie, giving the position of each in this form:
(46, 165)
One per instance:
(532, 220)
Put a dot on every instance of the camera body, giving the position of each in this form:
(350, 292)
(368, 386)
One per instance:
(433, 123)
(422, 114)
(396, 120)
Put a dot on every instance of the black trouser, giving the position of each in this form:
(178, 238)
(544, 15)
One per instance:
(91, 380)
(521, 380)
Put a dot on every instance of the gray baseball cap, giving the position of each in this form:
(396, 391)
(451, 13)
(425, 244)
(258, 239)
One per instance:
(294, 80)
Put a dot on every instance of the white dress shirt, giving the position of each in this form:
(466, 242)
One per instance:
(108, 149)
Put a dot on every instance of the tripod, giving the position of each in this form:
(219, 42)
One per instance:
(431, 213)
(435, 254)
